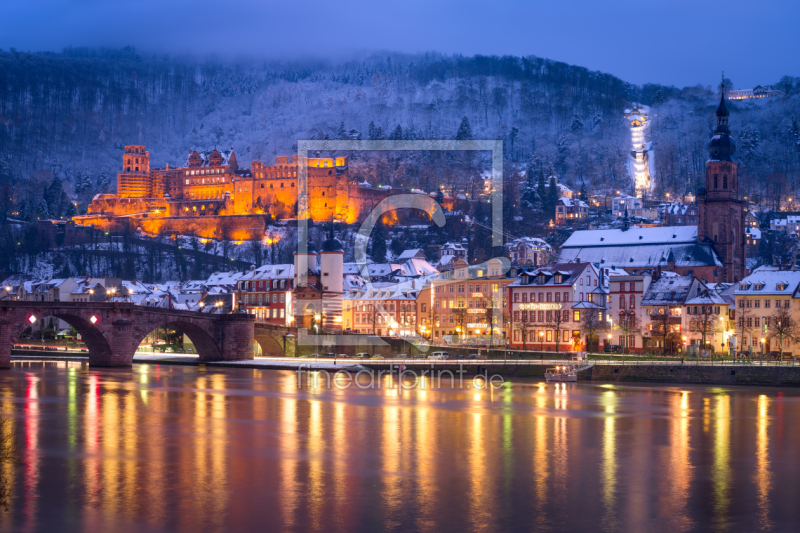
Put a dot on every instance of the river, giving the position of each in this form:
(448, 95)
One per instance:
(187, 448)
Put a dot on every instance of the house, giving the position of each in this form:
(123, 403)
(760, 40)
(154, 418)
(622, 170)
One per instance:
(790, 224)
(625, 311)
(416, 253)
(761, 299)
(676, 214)
(470, 301)
(759, 91)
(547, 305)
(752, 241)
(267, 293)
(663, 304)
(570, 211)
(707, 321)
(529, 251)
(626, 205)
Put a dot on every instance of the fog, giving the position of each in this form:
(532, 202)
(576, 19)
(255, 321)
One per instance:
(679, 42)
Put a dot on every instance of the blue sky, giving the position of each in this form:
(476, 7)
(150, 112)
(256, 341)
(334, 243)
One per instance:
(665, 41)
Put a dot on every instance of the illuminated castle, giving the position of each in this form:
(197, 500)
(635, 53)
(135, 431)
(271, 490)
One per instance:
(211, 196)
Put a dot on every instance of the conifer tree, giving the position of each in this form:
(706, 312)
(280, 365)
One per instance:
(464, 130)
(379, 243)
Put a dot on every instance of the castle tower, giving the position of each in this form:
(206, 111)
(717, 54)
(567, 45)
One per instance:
(721, 212)
(332, 276)
(134, 180)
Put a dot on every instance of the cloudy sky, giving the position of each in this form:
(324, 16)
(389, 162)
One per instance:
(680, 42)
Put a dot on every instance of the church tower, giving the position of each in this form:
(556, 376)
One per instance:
(721, 212)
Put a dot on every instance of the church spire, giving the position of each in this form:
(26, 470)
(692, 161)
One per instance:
(721, 147)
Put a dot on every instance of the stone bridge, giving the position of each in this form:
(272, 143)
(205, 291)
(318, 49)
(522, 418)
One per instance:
(113, 331)
(276, 340)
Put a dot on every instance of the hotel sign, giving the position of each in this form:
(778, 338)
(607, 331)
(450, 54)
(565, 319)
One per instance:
(477, 326)
(549, 307)
(476, 310)
(477, 295)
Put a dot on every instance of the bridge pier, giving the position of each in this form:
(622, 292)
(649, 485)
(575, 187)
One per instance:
(236, 339)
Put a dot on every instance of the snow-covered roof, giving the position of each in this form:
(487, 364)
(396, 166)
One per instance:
(280, 271)
(410, 254)
(709, 297)
(572, 202)
(633, 236)
(530, 242)
(769, 282)
(754, 232)
(685, 255)
(570, 273)
(668, 290)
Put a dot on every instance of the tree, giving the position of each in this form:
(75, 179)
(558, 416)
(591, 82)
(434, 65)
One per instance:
(379, 243)
(460, 316)
(584, 193)
(531, 200)
(592, 327)
(744, 323)
(555, 322)
(660, 319)
(705, 320)
(439, 197)
(396, 245)
(782, 326)
(464, 130)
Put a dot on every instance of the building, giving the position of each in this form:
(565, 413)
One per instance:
(547, 305)
(570, 211)
(762, 298)
(625, 311)
(721, 213)
(790, 224)
(760, 91)
(382, 310)
(637, 249)
(529, 251)
(752, 241)
(750, 220)
(211, 196)
(561, 190)
(266, 292)
(470, 301)
(627, 205)
(676, 214)
(707, 321)
(663, 304)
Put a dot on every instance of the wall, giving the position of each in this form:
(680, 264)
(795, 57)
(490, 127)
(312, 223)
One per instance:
(773, 376)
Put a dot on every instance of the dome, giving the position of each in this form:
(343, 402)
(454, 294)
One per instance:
(332, 245)
(311, 248)
(721, 147)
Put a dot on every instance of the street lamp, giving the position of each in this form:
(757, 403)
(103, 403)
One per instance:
(541, 341)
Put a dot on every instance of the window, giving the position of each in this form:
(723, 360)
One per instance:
(757, 304)
(766, 304)
(541, 316)
(576, 316)
(549, 297)
(516, 297)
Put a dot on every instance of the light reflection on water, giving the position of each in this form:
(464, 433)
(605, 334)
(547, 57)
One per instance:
(162, 448)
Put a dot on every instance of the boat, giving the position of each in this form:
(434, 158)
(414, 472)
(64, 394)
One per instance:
(565, 373)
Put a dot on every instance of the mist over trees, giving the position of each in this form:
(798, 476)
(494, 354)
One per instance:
(66, 116)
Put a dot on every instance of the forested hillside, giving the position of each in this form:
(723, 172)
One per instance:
(67, 116)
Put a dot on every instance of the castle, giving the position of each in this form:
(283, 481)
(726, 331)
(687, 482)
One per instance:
(210, 196)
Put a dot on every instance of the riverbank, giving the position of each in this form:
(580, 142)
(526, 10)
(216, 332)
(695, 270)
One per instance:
(768, 374)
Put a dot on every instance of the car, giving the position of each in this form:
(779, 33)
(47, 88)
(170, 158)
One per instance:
(362, 355)
(330, 355)
(343, 356)
(169, 350)
(612, 348)
(309, 356)
(376, 357)
(438, 355)
(401, 356)
(419, 356)
(473, 356)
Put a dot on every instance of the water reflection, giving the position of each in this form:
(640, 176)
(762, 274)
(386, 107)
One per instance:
(188, 449)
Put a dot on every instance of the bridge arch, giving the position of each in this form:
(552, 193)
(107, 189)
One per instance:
(99, 349)
(207, 348)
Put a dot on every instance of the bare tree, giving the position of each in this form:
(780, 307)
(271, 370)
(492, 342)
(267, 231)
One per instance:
(782, 326)
(592, 326)
(744, 324)
(660, 319)
(706, 322)
(555, 322)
